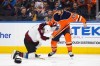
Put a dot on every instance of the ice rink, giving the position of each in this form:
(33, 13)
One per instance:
(56, 60)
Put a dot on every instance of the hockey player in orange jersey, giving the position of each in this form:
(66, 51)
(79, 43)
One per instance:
(62, 19)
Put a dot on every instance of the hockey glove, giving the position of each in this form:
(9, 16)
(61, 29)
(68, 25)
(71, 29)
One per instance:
(44, 38)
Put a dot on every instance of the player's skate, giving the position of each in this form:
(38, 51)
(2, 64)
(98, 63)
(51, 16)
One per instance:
(37, 56)
(71, 54)
(15, 54)
(51, 53)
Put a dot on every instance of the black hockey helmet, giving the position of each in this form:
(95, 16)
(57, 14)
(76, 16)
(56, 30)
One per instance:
(56, 17)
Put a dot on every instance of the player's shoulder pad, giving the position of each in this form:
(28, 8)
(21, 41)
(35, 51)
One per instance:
(65, 15)
(56, 17)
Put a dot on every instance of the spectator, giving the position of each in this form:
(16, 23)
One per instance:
(24, 16)
(1, 7)
(67, 4)
(56, 6)
(31, 7)
(46, 6)
(83, 8)
(32, 12)
(93, 1)
(75, 8)
(41, 13)
(25, 3)
(91, 6)
(68, 7)
(51, 2)
(49, 15)
(39, 3)
(13, 2)
(63, 3)
(8, 9)
(39, 9)
(93, 12)
(1, 1)
(34, 15)
(19, 3)
(16, 11)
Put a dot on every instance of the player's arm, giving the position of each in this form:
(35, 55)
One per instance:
(58, 30)
(78, 18)
(83, 20)
(51, 23)
(41, 26)
(41, 31)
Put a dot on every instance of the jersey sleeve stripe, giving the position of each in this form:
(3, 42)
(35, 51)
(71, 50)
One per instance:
(77, 18)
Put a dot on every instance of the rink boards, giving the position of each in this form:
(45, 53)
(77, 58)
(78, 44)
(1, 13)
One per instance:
(85, 40)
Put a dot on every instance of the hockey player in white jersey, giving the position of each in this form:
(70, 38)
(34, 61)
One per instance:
(32, 41)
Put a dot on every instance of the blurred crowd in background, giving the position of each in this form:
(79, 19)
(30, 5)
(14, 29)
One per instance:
(39, 10)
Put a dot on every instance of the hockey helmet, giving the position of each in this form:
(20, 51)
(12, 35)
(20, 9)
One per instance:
(56, 17)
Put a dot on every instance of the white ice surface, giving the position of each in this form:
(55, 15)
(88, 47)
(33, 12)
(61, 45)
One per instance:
(56, 60)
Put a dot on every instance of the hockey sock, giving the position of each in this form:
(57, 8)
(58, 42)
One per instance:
(29, 55)
(69, 47)
(54, 46)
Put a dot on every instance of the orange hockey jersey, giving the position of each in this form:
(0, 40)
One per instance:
(65, 19)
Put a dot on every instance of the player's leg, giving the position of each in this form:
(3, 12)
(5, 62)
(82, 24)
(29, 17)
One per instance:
(53, 47)
(31, 48)
(69, 44)
(54, 42)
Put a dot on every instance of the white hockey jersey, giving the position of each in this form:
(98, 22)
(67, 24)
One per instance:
(34, 33)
